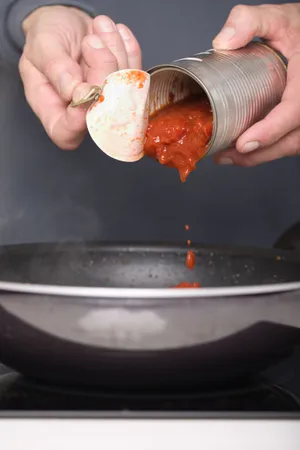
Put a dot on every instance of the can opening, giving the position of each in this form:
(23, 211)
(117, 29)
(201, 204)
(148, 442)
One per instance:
(170, 85)
(181, 127)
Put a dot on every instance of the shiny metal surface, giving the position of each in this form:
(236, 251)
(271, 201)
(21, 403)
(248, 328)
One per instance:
(146, 293)
(147, 324)
(91, 96)
(242, 86)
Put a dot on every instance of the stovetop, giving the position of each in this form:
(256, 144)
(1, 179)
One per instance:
(275, 391)
(17, 393)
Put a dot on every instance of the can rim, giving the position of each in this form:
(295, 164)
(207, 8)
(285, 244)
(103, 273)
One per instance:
(163, 67)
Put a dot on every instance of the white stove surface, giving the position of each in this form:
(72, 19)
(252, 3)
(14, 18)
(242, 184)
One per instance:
(149, 434)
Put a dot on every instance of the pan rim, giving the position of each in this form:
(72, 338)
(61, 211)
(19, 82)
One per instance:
(146, 293)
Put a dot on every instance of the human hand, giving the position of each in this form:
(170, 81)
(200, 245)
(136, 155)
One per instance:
(278, 134)
(66, 52)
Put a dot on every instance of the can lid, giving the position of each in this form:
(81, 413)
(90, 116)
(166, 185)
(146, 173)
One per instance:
(118, 120)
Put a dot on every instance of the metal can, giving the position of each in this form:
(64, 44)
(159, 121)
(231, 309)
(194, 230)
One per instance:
(243, 86)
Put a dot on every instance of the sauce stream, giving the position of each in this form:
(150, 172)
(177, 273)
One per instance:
(178, 136)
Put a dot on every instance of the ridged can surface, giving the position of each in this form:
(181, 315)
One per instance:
(243, 86)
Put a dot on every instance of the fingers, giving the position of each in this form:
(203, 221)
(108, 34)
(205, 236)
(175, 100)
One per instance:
(99, 59)
(134, 54)
(289, 145)
(108, 32)
(54, 73)
(50, 56)
(283, 119)
(246, 22)
(277, 135)
(105, 51)
(64, 125)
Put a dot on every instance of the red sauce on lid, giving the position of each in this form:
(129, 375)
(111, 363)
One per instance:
(134, 76)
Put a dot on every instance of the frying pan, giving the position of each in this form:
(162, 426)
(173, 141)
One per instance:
(108, 315)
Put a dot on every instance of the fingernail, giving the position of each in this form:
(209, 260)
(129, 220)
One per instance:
(222, 39)
(80, 92)
(225, 160)
(95, 42)
(250, 146)
(66, 83)
(124, 32)
(107, 24)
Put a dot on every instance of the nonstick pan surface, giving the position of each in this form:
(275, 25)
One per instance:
(157, 267)
(142, 341)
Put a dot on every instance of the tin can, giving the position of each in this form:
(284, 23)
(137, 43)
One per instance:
(243, 86)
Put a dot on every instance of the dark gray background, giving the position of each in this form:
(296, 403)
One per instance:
(50, 195)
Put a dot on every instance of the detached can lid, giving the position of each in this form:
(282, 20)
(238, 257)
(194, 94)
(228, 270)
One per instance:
(117, 121)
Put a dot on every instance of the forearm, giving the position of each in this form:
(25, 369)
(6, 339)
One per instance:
(12, 15)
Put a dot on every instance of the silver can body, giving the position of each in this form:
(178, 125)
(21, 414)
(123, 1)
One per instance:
(243, 86)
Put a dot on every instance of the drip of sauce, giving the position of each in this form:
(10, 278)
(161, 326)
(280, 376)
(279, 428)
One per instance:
(178, 135)
(190, 256)
(190, 263)
(185, 284)
(190, 260)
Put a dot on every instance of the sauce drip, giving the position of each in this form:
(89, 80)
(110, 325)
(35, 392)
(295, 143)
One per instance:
(190, 263)
(190, 260)
(177, 135)
(185, 284)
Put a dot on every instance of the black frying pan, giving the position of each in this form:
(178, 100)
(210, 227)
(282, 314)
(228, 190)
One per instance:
(136, 339)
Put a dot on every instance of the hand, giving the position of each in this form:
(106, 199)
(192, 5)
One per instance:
(278, 134)
(66, 52)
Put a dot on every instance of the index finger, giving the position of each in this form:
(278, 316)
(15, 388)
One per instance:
(134, 54)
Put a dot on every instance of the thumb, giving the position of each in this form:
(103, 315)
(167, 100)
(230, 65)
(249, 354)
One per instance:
(246, 22)
(52, 59)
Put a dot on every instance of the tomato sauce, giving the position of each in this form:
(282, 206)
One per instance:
(190, 263)
(178, 135)
(185, 284)
(190, 259)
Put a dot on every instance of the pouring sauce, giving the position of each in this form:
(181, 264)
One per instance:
(190, 263)
(178, 134)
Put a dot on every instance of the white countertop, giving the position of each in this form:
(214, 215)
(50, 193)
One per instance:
(163, 434)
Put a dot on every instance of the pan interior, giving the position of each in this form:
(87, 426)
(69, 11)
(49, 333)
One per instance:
(140, 266)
